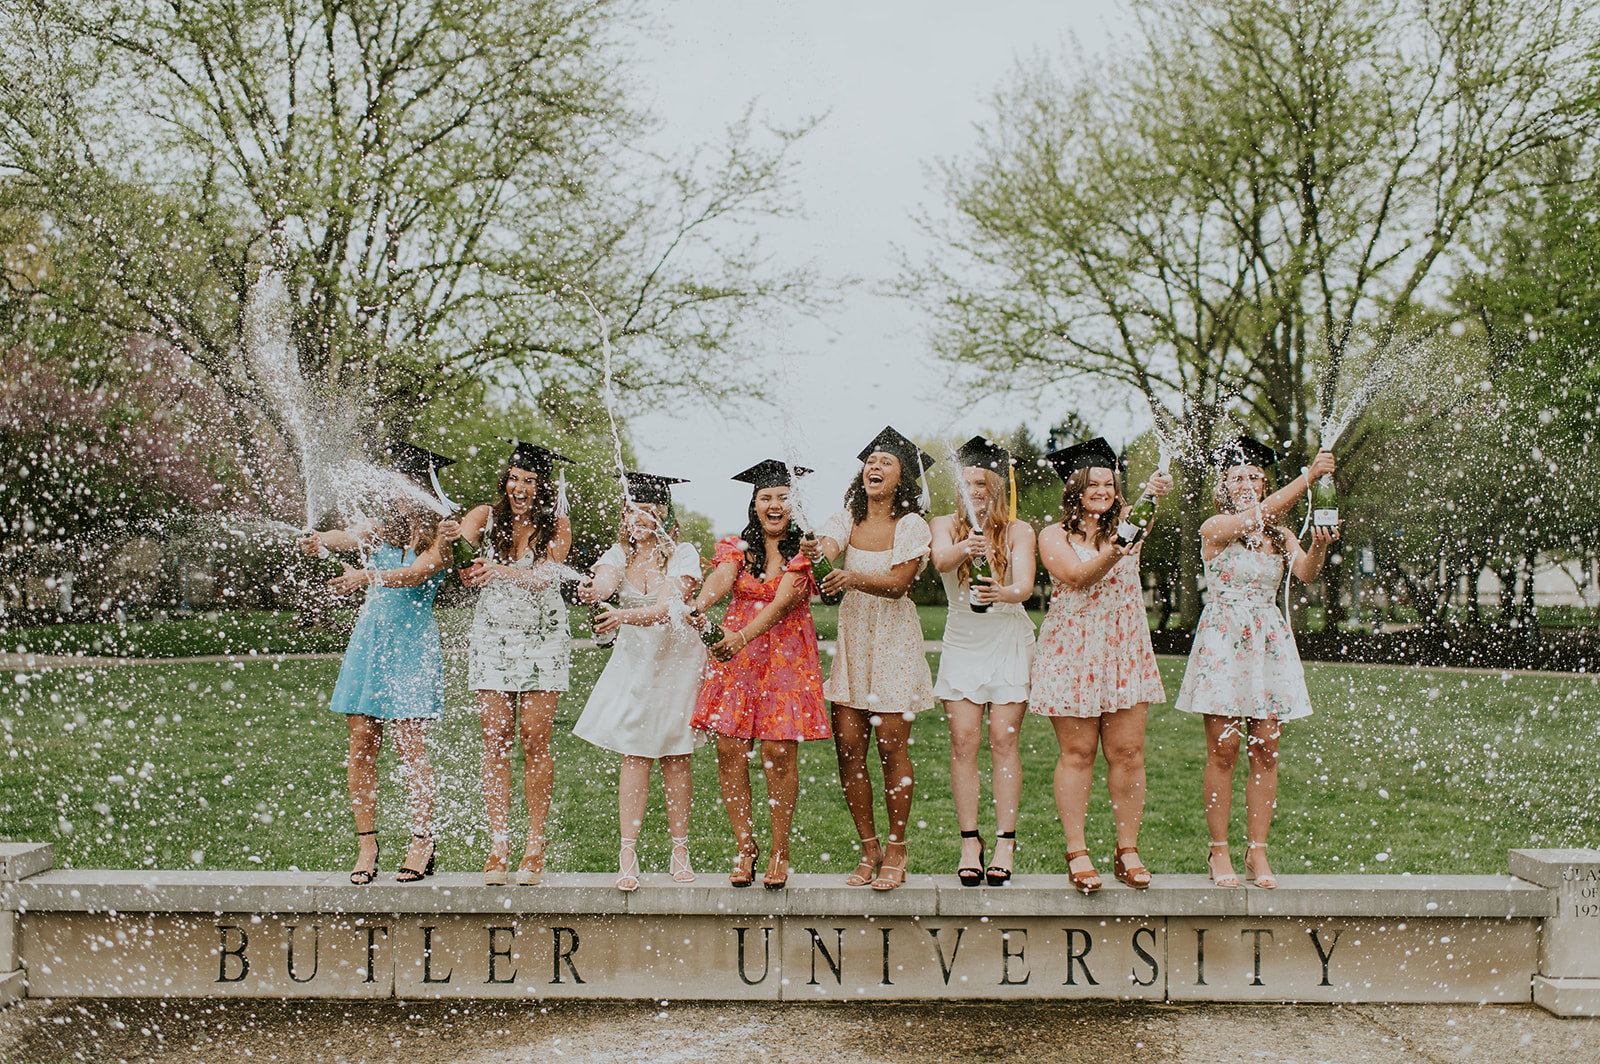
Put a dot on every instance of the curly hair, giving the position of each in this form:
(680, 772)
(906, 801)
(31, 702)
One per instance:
(996, 525)
(1073, 514)
(907, 497)
(1223, 499)
(503, 537)
(754, 536)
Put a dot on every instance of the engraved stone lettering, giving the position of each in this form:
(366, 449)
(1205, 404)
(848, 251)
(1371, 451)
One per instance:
(835, 966)
(1006, 956)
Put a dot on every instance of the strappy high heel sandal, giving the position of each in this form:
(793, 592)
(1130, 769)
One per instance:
(744, 867)
(494, 869)
(891, 876)
(681, 870)
(362, 876)
(1137, 877)
(407, 874)
(627, 877)
(1087, 881)
(777, 876)
(996, 874)
(972, 875)
(867, 869)
(1265, 882)
(1227, 879)
(531, 871)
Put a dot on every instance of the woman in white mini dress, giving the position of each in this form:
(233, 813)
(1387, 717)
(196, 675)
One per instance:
(519, 648)
(1244, 672)
(988, 649)
(880, 678)
(643, 702)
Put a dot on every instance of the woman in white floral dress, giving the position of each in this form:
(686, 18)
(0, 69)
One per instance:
(1244, 672)
(1094, 674)
(880, 678)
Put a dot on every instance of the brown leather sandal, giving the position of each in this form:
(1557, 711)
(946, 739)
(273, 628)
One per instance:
(1137, 877)
(744, 867)
(1089, 881)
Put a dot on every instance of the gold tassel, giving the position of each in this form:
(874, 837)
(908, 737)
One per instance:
(1011, 471)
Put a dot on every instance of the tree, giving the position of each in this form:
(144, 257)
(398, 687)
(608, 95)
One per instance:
(1222, 213)
(446, 186)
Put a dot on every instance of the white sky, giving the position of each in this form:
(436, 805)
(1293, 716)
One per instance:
(902, 84)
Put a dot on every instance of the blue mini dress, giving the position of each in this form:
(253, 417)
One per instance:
(394, 666)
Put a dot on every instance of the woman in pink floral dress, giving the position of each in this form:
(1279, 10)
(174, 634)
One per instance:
(1094, 673)
(1244, 672)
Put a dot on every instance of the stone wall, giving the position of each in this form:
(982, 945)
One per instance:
(1531, 935)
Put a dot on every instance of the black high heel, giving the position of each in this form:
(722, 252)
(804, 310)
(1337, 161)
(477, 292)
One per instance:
(972, 876)
(406, 874)
(997, 876)
(362, 876)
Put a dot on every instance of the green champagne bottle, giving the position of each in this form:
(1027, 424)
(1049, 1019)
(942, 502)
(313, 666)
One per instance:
(980, 569)
(820, 568)
(1133, 527)
(327, 565)
(1324, 503)
(462, 553)
(603, 640)
(713, 634)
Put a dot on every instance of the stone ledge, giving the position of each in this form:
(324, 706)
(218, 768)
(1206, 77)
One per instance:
(13, 987)
(94, 890)
(1567, 997)
(19, 860)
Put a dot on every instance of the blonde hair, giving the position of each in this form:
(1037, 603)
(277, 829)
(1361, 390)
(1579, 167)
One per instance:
(666, 536)
(996, 526)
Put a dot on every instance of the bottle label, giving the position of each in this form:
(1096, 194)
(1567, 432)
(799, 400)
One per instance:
(1325, 517)
(1128, 532)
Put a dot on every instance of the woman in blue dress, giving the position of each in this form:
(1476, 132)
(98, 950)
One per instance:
(393, 669)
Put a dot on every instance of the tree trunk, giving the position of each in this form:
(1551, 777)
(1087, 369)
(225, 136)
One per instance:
(1194, 479)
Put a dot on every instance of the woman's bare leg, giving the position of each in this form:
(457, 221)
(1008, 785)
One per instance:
(966, 736)
(411, 736)
(1222, 754)
(496, 709)
(538, 713)
(778, 757)
(1079, 739)
(361, 773)
(1005, 752)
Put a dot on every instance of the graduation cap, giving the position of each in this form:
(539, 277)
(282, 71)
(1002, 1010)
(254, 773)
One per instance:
(980, 452)
(891, 442)
(769, 473)
(531, 456)
(650, 489)
(1090, 454)
(421, 465)
(1245, 451)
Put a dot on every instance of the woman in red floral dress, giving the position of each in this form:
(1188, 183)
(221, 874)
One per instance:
(1094, 672)
(766, 682)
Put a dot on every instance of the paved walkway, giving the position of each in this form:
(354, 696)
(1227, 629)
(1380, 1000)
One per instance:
(476, 1032)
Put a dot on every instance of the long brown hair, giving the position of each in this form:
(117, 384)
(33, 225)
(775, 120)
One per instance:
(1073, 514)
(409, 522)
(996, 525)
(1224, 500)
(542, 513)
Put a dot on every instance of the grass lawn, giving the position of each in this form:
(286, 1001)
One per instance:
(239, 765)
(195, 635)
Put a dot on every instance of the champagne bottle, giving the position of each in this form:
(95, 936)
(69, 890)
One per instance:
(462, 553)
(1133, 527)
(713, 634)
(327, 565)
(820, 568)
(980, 569)
(1324, 503)
(604, 640)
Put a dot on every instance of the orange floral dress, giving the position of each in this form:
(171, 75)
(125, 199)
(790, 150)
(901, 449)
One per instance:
(772, 689)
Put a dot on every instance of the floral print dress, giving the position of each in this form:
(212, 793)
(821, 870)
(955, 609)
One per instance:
(771, 689)
(1094, 653)
(1244, 662)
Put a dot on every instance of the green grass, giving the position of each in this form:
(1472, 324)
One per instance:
(200, 634)
(240, 765)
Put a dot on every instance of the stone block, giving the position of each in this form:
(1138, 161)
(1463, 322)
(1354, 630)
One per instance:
(19, 860)
(462, 892)
(1049, 895)
(10, 942)
(133, 891)
(13, 987)
(1350, 960)
(77, 954)
(846, 959)
(709, 895)
(826, 895)
(1567, 997)
(584, 956)
(1569, 948)
(1483, 897)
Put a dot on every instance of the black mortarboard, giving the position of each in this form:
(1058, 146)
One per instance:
(1090, 454)
(651, 489)
(891, 442)
(531, 456)
(980, 452)
(418, 463)
(1245, 451)
(769, 473)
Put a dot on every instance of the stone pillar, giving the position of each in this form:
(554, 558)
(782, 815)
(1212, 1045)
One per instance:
(1568, 980)
(18, 860)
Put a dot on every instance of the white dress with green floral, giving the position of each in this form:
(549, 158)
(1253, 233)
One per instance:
(1244, 662)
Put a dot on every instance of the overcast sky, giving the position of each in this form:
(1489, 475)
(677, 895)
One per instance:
(902, 84)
